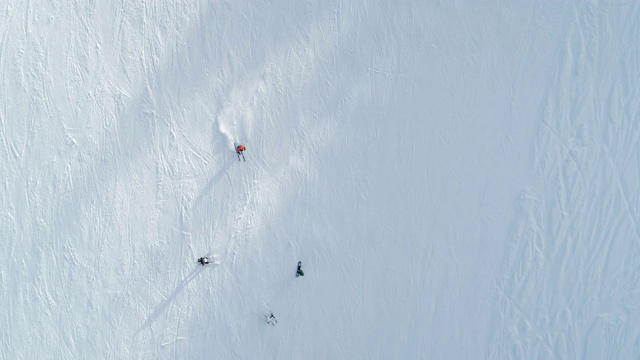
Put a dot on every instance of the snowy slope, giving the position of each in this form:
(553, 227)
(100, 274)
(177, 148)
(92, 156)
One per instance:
(569, 279)
(459, 179)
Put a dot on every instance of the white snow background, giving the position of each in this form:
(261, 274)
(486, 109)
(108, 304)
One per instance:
(459, 178)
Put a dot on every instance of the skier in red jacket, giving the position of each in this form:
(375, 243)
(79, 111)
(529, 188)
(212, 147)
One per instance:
(240, 151)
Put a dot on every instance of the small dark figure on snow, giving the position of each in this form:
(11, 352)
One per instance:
(272, 319)
(299, 272)
(203, 260)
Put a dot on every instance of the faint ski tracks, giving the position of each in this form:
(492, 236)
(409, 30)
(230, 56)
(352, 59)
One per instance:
(585, 230)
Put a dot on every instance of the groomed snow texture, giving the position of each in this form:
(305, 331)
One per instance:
(460, 179)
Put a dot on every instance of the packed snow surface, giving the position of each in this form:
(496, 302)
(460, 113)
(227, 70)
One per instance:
(460, 179)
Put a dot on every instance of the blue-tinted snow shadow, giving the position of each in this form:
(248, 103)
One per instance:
(169, 299)
(214, 180)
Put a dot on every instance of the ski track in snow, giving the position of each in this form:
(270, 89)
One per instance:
(571, 273)
(459, 179)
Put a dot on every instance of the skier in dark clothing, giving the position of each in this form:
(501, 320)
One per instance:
(299, 272)
(203, 260)
(272, 319)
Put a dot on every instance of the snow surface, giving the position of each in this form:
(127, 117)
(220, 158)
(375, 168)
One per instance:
(459, 178)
